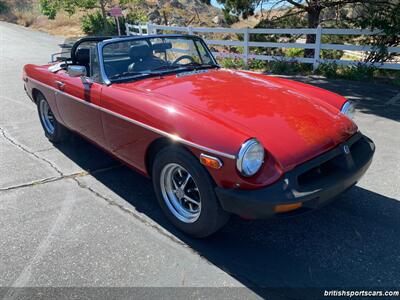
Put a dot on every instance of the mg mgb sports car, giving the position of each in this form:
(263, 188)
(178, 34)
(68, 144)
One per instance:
(214, 141)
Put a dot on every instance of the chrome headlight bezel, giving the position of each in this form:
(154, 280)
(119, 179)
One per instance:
(241, 161)
(348, 109)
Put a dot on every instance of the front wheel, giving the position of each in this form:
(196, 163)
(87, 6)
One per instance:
(186, 194)
(53, 130)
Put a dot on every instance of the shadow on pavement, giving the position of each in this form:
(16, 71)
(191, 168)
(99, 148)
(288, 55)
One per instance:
(352, 243)
(370, 98)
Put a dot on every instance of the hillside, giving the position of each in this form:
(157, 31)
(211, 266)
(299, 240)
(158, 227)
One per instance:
(172, 12)
(183, 13)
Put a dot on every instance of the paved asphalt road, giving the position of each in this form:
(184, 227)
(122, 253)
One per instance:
(72, 216)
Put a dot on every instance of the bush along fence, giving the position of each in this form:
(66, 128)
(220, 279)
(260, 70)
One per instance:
(246, 43)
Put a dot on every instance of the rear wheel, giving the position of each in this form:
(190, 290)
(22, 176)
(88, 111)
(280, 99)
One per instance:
(53, 130)
(186, 194)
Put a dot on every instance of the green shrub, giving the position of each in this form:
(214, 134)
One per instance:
(279, 66)
(332, 39)
(255, 64)
(231, 63)
(288, 67)
(92, 24)
(295, 52)
(327, 54)
(135, 16)
(331, 54)
(238, 63)
(229, 18)
(328, 70)
(359, 72)
(3, 7)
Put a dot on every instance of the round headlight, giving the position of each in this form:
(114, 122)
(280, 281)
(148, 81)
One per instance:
(250, 157)
(348, 109)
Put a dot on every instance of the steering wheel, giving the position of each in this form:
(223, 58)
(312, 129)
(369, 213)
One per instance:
(176, 61)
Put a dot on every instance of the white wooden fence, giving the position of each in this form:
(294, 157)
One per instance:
(246, 43)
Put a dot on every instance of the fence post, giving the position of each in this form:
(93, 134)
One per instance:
(317, 48)
(152, 28)
(127, 29)
(140, 29)
(190, 32)
(148, 28)
(246, 47)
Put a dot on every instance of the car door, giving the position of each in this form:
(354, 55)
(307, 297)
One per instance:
(78, 102)
(125, 139)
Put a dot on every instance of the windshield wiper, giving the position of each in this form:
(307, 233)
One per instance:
(191, 65)
(197, 65)
(166, 67)
(128, 74)
(159, 70)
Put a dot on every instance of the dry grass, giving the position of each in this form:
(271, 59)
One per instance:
(27, 13)
(62, 25)
(25, 18)
(253, 21)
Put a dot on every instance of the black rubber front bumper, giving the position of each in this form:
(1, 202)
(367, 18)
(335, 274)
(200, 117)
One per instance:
(314, 183)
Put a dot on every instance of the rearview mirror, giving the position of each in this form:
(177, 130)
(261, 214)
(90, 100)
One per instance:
(76, 71)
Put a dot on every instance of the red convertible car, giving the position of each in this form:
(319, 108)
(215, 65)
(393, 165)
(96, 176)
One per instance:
(214, 141)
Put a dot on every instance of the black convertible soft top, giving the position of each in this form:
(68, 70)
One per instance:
(86, 39)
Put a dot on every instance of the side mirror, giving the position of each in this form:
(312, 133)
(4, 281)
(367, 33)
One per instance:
(76, 71)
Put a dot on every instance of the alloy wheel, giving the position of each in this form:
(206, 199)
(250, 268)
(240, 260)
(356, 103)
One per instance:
(47, 116)
(180, 193)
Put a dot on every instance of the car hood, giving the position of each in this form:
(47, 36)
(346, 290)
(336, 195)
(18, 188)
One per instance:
(295, 122)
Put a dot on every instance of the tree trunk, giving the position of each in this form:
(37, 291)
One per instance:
(313, 15)
(104, 15)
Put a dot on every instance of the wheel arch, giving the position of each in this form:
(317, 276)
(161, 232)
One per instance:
(155, 146)
(35, 93)
(159, 144)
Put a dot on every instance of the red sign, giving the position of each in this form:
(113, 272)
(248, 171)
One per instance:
(116, 12)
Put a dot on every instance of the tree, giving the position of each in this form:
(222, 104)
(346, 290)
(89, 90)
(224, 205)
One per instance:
(312, 9)
(384, 17)
(51, 7)
(96, 22)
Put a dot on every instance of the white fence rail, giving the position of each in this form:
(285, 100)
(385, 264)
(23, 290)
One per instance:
(246, 43)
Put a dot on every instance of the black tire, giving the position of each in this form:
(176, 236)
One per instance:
(60, 133)
(212, 217)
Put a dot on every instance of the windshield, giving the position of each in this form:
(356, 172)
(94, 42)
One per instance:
(125, 60)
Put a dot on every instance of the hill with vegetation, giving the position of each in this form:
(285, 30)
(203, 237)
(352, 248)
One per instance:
(29, 13)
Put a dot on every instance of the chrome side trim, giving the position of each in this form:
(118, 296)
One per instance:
(148, 127)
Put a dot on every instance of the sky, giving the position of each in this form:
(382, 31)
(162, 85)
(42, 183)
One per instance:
(216, 4)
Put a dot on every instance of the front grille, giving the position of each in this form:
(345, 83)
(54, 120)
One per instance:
(341, 164)
(322, 171)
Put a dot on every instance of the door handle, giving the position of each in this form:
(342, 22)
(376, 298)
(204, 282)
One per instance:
(60, 84)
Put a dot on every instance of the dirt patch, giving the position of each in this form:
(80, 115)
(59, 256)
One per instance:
(27, 13)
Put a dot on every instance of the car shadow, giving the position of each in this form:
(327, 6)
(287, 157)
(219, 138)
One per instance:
(370, 98)
(352, 243)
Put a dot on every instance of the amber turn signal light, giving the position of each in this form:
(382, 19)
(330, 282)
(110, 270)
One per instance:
(287, 207)
(210, 161)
